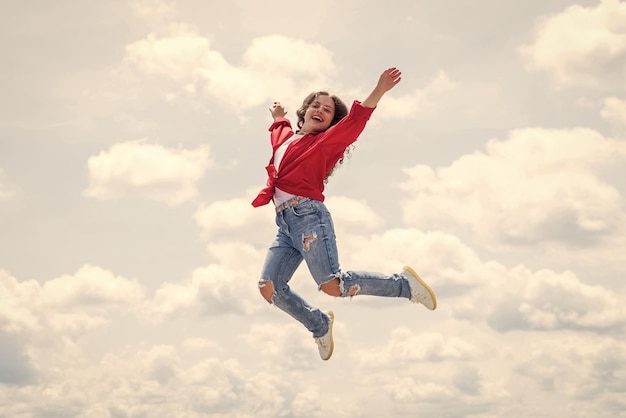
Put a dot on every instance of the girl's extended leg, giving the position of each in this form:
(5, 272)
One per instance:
(312, 232)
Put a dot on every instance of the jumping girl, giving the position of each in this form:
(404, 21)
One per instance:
(298, 169)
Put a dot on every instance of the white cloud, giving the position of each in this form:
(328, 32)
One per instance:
(464, 371)
(16, 310)
(273, 53)
(485, 291)
(70, 304)
(493, 370)
(292, 346)
(200, 344)
(404, 106)
(148, 381)
(410, 390)
(161, 363)
(289, 350)
(614, 110)
(582, 46)
(405, 346)
(90, 286)
(154, 10)
(422, 367)
(579, 370)
(76, 323)
(308, 403)
(353, 213)
(564, 301)
(15, 365)
(271, 65)
(140, 169)
(177, 57)
(156, 380)
(221, 288)
(538, 185)
(237, 214)
(223, 387)
(547, 300)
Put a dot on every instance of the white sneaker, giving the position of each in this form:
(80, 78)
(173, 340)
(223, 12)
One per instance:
(325, 343)
(420, 291)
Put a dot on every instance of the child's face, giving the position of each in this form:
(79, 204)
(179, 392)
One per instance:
(319, 114)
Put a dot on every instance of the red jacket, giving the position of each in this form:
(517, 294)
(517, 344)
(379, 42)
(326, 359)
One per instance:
(307, 161)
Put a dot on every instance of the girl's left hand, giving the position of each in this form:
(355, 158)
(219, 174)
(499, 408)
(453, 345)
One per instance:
(389, 78)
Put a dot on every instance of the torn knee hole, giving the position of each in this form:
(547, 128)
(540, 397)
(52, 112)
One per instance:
(335, 287)
(332, 288)
(307, 240)
(267, 290)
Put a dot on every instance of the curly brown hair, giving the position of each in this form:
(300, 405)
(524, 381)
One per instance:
(341, 110)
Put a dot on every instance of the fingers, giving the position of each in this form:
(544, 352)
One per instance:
(277, 110)
(389, 78)
(394, 74)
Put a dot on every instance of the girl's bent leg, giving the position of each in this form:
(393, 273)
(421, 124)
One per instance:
(281, 262)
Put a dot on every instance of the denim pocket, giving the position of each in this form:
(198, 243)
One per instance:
(304, 208)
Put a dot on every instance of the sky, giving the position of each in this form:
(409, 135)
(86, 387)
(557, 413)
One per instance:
(133, 137)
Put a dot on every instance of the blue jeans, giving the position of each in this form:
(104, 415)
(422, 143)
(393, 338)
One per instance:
(306, 232)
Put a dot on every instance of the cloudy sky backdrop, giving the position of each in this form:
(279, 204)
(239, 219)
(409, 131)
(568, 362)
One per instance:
(133, 136)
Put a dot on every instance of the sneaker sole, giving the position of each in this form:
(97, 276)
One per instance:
(423, 283)
(331, 315)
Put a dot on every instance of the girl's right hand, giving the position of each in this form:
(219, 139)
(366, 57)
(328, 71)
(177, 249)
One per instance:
(277, 111)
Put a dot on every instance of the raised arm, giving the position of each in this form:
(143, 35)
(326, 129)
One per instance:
(280, 130)
(387, 80)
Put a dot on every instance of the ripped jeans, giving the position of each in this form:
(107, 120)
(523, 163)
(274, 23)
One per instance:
(306, 232)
